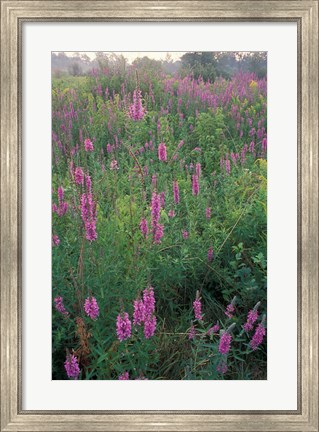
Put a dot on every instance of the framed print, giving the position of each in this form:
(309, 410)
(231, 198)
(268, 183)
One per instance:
(159, 215)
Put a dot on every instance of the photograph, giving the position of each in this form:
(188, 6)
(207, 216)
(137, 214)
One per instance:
(159, 215)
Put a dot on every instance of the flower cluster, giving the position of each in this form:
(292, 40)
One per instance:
(157, 228)
(91, 308)
(59, 306)
(124, 376)
(71, 366)
(88, 145)
(162, 154)
(88, 211)
(258, 336)
(123, 326)
(176, 192)
(197, 305)
(224, 343)
(62, 206)
(136, 111)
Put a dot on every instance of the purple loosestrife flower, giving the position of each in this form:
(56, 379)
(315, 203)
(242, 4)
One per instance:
(229, 310)
(195, 185)
(222, 367)
(55, 240)
(197, 306)
(214, 329)
(191, 333)
(210, 254)
(162, 154)
(88, 145)
(124, 376)
(59, 306)
(171, 214)
(176, 192)
(79, 176)
(258, 336)
(198, 169)
(62, 207)
(208, 213)
(158, 233)
(185, 235)
(156, 208)
(224, 343)
(136, 110)
(72, 367)
(144, 227)
(123, 326)
(149, 326)
(251, 318)
(91, 308)
(227, 166)
(149, 300)
(139, 312)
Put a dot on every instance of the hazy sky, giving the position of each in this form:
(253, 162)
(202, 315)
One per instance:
(156, 55)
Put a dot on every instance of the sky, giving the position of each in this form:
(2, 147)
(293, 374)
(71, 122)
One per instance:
(131, 56)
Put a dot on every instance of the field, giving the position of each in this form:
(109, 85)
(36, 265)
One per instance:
(159, 226)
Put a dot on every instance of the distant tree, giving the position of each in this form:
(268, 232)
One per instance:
(75, 69)
(199, 64)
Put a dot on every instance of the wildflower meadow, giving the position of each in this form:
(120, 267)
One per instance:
(159, 219)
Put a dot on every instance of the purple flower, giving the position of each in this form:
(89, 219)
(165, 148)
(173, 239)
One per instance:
(195, 185)
(227, 166)
(214, 329)
(144, 227)
(230, 310)
(79, 176)
(192, 333)
(55, 240)
(258, 336)
(251, 319)
(139, 312)
(185, 235)
(136, 111)
(149, 300)
(72, 367)
(156, 208)
(210, 254)
(62, 207)
(224, 343)
(198, 169)
(123, 326)
(91, 308)
(176, 192)
(222, 367)
(197, 305)
(59, 306)
(149, 326)
(171, 213)
(124, 376)
(158, 233)
(208, 213)
(88, 145)
(162, 155)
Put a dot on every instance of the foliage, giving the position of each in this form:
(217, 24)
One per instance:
(213, 246)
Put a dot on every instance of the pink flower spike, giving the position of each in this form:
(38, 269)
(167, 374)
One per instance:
(88, 145)
(91, 308)
(71, 366)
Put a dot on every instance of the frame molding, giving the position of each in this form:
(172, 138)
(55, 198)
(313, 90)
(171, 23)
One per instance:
(13, 15)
